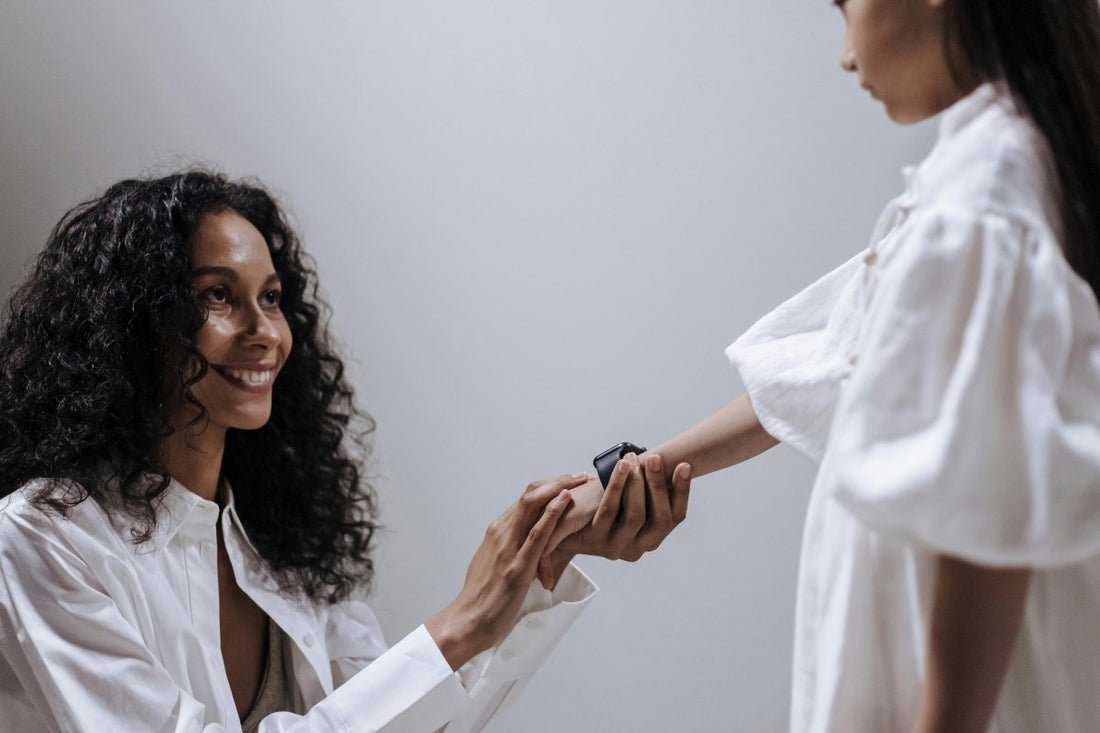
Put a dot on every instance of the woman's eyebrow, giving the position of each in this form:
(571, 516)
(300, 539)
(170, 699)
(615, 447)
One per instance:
(226, 272)
(229, 273)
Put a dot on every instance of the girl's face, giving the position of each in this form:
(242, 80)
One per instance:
(245, 338)
(897, 48)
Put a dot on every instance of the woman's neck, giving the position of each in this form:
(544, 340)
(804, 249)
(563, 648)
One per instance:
(194, 459)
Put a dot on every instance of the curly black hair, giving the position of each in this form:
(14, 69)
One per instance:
(102, 332)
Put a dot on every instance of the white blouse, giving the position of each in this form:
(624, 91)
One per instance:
(98, 634)
(947, 382)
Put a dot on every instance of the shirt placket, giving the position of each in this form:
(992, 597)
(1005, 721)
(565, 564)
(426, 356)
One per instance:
(199, 548)
(895, 214)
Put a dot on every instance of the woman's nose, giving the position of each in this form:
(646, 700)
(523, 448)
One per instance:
(259, 329)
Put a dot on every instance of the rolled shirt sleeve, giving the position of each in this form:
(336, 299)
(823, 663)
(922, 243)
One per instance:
(411, 687)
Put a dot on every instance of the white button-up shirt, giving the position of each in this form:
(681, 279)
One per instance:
(98, 634)
(947, 382)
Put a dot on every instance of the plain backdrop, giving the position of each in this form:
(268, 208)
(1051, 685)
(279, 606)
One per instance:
(538, 225)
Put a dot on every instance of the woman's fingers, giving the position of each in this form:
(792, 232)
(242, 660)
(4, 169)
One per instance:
(608, 511)
(667, 508)
(579, 514)
(539, 537)
(681, 486)
(538, 493)
(633, 515)
(624, 539)
(659, 523)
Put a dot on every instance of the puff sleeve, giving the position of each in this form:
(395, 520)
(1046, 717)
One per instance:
(971, 424)
(791, 362)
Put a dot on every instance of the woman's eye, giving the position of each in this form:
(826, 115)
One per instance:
(272, 297)
(216, 295)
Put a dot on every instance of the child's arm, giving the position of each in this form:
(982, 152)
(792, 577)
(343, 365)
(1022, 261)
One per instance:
(976, 613)
(729, 436)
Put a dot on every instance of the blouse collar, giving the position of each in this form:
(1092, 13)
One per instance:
(956, 117)
(954, 120)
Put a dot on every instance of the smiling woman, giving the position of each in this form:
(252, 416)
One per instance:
(245, 338)
(185, 533)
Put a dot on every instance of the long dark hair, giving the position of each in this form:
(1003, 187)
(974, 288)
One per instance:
(1048, 53)
(102, 330)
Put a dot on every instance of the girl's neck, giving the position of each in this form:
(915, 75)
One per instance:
(194, 459)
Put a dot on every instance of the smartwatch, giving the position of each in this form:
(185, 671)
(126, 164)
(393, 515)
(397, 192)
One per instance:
(605, 462)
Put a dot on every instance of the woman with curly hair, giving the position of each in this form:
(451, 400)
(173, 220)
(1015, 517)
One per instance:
(185, 532)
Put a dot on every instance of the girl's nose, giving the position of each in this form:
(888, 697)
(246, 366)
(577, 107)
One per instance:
(848, 59)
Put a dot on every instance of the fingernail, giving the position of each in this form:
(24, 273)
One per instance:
(685, 471)
(564, 497)
(580, 475)
(654, 462)
(622, 466)
(633, 458)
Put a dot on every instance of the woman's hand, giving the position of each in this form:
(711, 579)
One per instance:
(631, 517)
(501, 572)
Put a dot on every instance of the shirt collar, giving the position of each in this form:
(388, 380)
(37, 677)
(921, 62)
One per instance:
(956, 117)
(176, 507)
(954, 120)
(234, 519)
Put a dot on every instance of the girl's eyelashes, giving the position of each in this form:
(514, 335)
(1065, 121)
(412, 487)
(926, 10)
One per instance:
(272, 297)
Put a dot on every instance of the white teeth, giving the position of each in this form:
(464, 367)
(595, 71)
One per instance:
(250, 377)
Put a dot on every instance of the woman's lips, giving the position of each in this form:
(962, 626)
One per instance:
(257, 381)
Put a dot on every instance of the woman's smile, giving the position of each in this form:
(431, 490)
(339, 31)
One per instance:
(258, 379)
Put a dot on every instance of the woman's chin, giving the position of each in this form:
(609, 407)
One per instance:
(246, 419)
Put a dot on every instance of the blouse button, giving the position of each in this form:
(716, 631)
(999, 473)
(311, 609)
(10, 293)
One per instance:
(308, 639)
(507, 653)
(870, 258)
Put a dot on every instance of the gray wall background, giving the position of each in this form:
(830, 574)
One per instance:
(538, 223)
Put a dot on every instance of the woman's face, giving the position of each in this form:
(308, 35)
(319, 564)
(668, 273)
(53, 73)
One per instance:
(897, 48)
(245, 338)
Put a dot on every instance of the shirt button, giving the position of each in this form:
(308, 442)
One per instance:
(534, 624)
(870, 258)
(507, 653)
(309, 639)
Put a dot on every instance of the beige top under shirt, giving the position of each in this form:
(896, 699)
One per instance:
(273, 695)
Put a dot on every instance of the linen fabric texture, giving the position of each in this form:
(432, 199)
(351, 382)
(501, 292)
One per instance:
(99, 634)
(947, 383)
